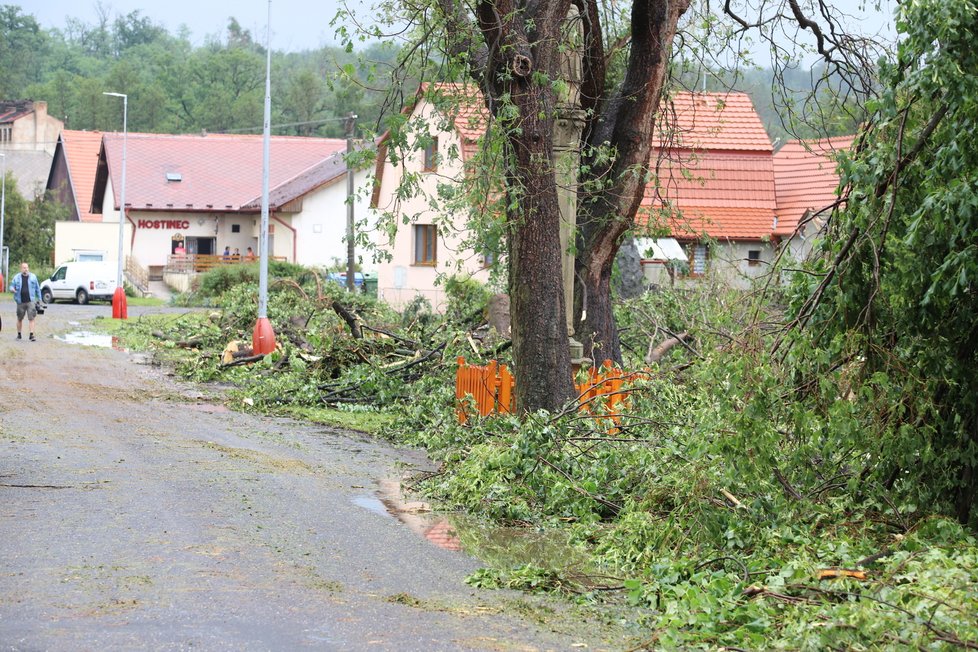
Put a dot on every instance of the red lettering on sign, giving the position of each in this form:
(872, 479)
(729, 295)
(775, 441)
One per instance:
(163, 224)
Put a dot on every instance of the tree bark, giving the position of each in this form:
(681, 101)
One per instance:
(624, 124)
(523, 56)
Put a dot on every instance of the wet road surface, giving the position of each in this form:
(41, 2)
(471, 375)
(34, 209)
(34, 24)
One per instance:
(137, 513)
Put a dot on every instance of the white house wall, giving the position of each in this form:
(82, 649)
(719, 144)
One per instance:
(155, 231)
(321, 226)
(727, 263)
(70, 237)
(400, 280)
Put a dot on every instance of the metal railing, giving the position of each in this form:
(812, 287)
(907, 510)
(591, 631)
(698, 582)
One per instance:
(137, 275)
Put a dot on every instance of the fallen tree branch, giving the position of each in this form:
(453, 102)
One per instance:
(237, 362)
(412, 343)
(350, 318)
(788, 489)
(584, 492)
(656, 353)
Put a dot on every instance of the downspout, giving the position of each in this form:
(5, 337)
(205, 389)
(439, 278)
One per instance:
(132, 238)
(295, 236)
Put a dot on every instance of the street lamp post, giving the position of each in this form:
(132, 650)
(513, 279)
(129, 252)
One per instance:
(3, 208)
(263, 335)
(350, 251)
(119, 308)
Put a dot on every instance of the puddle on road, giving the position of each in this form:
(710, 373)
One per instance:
(371, 504)
(88, 338)
(507, 546)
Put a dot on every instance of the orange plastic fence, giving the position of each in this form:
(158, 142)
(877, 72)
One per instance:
(490, 388)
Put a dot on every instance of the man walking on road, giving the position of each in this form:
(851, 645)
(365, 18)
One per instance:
(27, 292)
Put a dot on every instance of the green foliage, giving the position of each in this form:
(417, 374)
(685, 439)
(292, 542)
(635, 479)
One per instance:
(29, 226)
(175, 86)
(23, 49)
(900, 314)
(215, 282)
(466, 297)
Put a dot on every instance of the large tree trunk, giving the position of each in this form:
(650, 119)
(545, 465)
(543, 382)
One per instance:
(522, 57)
(540, 347)
(625, 124)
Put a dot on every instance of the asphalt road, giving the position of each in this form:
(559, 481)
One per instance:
(138, 513)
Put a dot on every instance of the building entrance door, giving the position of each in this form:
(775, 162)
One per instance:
(201, 246)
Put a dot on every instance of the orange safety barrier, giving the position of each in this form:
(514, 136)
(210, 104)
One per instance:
(491, 388)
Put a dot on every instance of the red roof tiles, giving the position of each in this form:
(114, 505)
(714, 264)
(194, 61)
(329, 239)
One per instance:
(714, 121)
(806, 179)
(81, 150)
(716, 177)
(216, 172)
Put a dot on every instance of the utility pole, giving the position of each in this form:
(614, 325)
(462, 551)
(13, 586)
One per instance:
(3, 204)
(120, 307)
(263, 335)
(350, 248)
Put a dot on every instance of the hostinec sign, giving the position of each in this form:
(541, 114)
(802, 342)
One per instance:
(163, 224)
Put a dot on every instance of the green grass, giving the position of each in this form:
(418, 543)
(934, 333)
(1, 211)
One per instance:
(145, 301)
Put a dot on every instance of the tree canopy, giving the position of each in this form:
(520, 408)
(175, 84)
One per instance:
(895, 298)
(176, 87)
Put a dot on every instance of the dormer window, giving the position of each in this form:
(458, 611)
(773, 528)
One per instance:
(173, 177)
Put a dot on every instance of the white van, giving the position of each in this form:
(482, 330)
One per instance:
(81, 281)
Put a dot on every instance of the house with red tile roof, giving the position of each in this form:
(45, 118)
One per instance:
(714, 192)
(713, 187)
(202, 193)
(427, 244)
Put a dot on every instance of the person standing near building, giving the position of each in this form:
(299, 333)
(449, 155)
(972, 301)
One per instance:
(27, 292)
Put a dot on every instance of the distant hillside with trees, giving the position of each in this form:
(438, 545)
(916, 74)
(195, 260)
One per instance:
(176, 87)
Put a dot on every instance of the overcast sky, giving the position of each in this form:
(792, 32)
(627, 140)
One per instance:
(297, 24)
